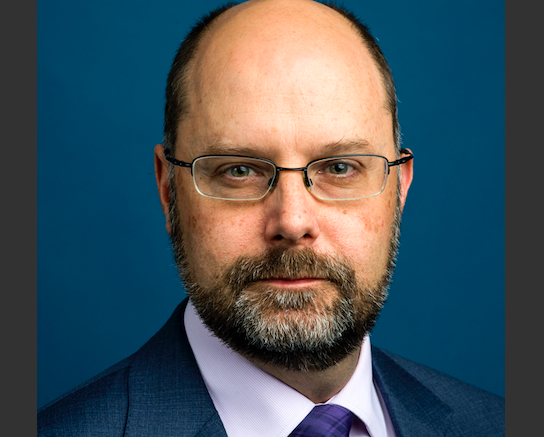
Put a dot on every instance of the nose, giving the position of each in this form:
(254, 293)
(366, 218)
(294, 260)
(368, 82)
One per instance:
(291, 212)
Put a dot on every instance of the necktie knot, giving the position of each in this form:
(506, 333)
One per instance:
(325, 421)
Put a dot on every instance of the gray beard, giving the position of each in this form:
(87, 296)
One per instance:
(302, 330)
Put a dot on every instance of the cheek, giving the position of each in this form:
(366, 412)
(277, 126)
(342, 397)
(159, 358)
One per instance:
(370, 232)
(374, 227)
(214, 239)
(363, 235)
(209, 229)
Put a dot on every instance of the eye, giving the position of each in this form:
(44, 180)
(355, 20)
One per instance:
(240, 171)
(338, 168)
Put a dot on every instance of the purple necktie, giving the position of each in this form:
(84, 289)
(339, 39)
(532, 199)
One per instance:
(325, 421)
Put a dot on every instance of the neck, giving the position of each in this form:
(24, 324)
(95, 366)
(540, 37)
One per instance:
(318, 386)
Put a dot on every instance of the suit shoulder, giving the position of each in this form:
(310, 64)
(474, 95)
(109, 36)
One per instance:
(441, 382)
(100, 403)
(471, 406)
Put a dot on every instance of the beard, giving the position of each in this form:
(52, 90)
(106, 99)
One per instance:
(308, 329)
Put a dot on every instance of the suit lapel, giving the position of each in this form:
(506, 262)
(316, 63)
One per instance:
(167, 395)
(414, 409)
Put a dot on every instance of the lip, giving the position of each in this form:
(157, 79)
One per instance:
(292, 283)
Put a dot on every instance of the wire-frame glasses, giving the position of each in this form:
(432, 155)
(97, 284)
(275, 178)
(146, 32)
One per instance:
(341, 177)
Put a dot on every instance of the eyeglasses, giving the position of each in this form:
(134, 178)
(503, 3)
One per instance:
(342, 177)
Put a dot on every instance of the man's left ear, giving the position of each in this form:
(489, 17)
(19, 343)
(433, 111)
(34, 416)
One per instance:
(406, 175)
(162, 177)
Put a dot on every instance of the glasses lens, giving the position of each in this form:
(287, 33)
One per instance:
(232, 177)
(347, 178)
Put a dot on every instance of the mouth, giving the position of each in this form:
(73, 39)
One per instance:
(292, 283)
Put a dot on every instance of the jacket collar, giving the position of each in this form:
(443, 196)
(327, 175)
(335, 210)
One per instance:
(413, 408)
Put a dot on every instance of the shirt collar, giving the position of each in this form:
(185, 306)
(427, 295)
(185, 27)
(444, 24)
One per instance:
(252, 402)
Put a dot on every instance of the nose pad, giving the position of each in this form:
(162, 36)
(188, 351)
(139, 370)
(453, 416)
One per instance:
(307, 181)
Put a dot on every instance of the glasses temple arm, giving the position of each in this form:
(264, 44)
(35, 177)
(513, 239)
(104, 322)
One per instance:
(175, 161)
(402, 160)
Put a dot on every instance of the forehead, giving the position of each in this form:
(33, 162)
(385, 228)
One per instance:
(282, 76)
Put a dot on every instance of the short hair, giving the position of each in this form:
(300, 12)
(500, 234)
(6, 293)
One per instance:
(176, 88)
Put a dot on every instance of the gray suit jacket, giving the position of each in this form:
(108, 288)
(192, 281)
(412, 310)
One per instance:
(159, 392)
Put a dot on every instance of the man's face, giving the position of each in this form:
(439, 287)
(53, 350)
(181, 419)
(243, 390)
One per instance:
(290, 96)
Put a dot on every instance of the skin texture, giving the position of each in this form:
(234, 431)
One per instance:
(290, 81)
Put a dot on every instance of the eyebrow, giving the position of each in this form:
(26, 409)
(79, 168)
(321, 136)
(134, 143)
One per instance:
(222, 148)
(356, 145)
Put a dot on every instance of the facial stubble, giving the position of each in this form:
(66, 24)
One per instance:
(310, 329)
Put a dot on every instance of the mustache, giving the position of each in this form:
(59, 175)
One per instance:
(289, 263)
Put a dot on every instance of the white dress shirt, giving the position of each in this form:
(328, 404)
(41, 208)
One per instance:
(253, 403)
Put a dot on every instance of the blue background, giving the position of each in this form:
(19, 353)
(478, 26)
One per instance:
(106, 279)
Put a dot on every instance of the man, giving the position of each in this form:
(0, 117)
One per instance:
(282, 181)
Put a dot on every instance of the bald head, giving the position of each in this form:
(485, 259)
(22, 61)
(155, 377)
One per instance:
(276, 47)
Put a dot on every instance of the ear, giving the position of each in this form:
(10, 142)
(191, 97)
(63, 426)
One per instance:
(406, 175)
(163, 182)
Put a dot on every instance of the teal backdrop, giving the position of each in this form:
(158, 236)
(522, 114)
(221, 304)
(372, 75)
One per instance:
(106, 279)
